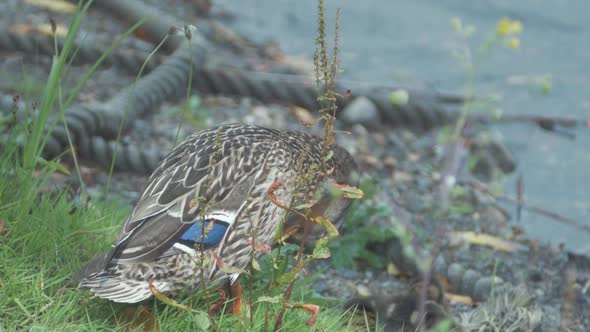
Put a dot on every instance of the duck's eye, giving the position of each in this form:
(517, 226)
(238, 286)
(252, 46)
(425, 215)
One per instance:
(208, 232)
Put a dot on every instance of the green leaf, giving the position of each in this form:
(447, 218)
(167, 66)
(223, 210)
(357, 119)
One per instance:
(330, 228)
(166, 300)
(321, 250)
(346, 190)
(460, 208)
(202, 320)
(288, 277)
(255, 264)
(53, 166)
(446, 325)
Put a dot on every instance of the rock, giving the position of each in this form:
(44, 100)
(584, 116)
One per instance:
(455, 274)
(491, 215)
(361, 111)
(468, 282)
(302, 115)
(504, 158)
(485, 166)
(551, 319)
(492, 156)
(483, 287)
(440, 266)
(397, 143)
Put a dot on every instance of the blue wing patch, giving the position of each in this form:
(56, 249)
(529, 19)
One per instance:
(213, 231)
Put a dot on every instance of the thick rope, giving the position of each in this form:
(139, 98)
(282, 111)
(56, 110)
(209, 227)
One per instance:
(165, 82)
(33, 44)
(85, 122)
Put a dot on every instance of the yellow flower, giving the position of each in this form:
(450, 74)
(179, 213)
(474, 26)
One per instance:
(516, 27)
(456, 24)
(507, 26)
(513, 42)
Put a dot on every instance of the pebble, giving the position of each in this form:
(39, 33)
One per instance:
(492, 219)
(485, 167)
(551, 319)
(397, 143)
(440, 265)
(260, 116)
(455, 274)
(361, 111)
(483, 287)
(390, 162)
(470, 277)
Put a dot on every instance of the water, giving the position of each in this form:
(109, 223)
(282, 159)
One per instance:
(387, 41)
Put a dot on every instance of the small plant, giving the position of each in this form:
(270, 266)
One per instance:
(326, 69)
(352, 244)
(507, 33)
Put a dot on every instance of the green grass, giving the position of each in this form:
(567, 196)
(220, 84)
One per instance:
(46, 237)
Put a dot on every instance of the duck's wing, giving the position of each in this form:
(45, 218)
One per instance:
(188, 186)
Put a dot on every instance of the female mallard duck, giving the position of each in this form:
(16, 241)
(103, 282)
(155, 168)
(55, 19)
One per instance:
(209, 197)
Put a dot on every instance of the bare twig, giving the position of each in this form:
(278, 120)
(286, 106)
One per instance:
(545, 122)
(549, 214)
(456, 153)
(289, 290)
(554, 124)
(426, 277)
(519, 196)
(326, 70)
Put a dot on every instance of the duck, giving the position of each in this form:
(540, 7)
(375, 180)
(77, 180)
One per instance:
(209, 200)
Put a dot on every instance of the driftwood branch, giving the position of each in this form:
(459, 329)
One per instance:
(554, 124)
(535, 209)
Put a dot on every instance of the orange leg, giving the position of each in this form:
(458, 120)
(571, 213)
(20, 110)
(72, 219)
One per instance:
(219, 304)
(236, 293)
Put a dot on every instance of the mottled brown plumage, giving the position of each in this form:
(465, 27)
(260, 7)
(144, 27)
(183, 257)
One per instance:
(210, 196)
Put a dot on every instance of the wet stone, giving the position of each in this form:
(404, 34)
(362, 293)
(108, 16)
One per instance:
(483, 287)
(440, 266)
(397, 143)
(492, 219)
(535, 276)
(361, 111)
(455, 274)
(468, 282)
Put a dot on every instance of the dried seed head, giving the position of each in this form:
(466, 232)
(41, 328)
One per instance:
(53, 25)
(188, 31)
(173, 31)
